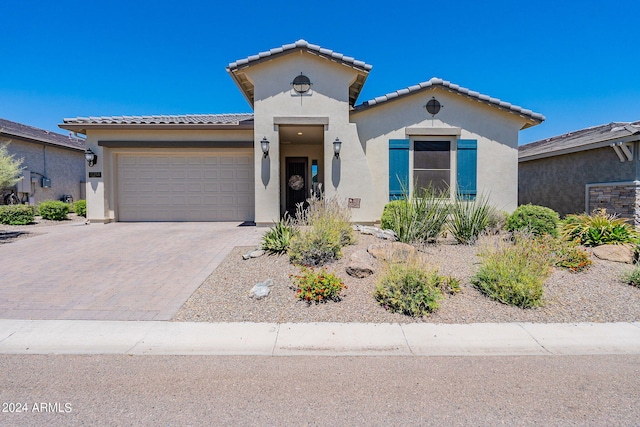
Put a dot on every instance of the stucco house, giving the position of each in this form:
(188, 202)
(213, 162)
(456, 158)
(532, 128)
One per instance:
(306, 131)
(581, 171)
(54, 163)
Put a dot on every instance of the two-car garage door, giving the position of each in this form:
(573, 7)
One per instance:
(183, 186)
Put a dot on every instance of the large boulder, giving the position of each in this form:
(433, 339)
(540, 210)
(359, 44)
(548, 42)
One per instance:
(615, 253)
(361, 264)
(392, 251)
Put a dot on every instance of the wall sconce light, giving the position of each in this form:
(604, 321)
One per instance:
(90, 157)
(264, 144)
(337, 145)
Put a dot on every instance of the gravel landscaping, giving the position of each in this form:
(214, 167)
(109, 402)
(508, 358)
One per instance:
(597, 295)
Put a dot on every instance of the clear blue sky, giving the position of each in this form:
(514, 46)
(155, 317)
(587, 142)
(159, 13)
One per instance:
(576, 62)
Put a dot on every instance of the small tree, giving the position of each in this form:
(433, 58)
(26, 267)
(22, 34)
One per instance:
(10, 168)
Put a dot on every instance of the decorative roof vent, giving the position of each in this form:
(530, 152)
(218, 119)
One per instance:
(433, 106)
(301, 84)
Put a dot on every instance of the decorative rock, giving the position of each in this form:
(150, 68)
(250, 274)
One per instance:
(261, 290)
(615, 253)
(257, 253)
(361, 264)
(392, 251)
(375, 231)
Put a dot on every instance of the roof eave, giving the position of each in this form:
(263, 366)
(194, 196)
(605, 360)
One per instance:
(83, 127)
(577, 149)
(11, 135)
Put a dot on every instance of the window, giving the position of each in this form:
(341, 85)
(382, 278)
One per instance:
(432, 164)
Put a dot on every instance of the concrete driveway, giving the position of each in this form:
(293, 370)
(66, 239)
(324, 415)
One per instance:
(121, 271)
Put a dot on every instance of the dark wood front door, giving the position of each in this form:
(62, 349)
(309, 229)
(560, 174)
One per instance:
(296, 182)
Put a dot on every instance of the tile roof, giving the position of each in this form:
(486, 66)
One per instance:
(14, 129)
(436, 82)
(300, 44)
(583, 139)
(187, 119)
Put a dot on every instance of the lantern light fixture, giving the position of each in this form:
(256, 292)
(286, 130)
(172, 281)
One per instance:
(264, 144)
(337, 145)
(90, 157)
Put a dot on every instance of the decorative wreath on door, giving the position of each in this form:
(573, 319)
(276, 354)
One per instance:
(296, 182)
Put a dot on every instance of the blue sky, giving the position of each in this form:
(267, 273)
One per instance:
(576, 62)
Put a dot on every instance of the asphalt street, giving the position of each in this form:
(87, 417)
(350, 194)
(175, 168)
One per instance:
(66, 390)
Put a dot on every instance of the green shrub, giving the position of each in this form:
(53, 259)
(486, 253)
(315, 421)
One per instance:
(514, 272)
(409, 289)
(534, 219)
(564, 254)
(80, 208)
(312, 286)
(597, 229)
(277, 239)
(54, 210)
(322, 229)
(315, 246)
(469, 218)
(16, 214)
(632, 277)
(417, 218)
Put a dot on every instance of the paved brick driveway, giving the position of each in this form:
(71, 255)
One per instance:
(121, 271)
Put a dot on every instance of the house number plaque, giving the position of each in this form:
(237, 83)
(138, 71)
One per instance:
(95, 174)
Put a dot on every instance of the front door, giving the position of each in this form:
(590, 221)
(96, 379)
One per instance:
(296, 183)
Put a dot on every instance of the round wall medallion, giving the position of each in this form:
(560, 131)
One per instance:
(301, 84)
(433, 106)
(296, 182)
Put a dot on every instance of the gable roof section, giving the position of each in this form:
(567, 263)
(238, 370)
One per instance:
(580, 140)
(41, 136)
(533, 118)
(235, 68)
(187, 121)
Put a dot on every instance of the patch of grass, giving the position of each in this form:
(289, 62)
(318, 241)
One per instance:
(513, 272)
(632, 277)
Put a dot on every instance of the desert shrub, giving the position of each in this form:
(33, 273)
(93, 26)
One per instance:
(313, 286)
(418, 218)
(632, 277)
(469, 218)
(409, 289)
(80, 208)
(277, 239)
(10, 167)
(597, 229)
(513, 272)
(534, 219)
(564, 254)
(16, 214)
(322, 229)
(389, 212)
(53, 209)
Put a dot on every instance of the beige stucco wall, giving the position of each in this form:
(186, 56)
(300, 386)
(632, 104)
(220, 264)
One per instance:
(65, 168)
(329, 98)
(559, 182)
(496, 132)
(101, 192)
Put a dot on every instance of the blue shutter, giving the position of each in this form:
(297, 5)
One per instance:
(467, 168)
(398, 167)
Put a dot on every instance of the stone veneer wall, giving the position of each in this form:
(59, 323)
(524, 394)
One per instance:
(621, 198)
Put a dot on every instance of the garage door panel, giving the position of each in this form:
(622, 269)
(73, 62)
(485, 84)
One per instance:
(185, 187)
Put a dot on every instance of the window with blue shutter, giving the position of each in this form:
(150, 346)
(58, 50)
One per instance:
(398, 167)
(467, 168)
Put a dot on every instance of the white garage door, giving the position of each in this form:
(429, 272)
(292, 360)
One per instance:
(186, 187)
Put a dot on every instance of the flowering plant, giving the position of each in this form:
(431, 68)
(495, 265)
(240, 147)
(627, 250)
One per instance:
(317, 286)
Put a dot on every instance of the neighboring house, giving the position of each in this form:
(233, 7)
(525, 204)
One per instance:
(584, 170)
(54, 163)
(213, 167)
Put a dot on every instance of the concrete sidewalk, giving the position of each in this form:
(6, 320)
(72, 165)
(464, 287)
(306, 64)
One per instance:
(324, 339)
